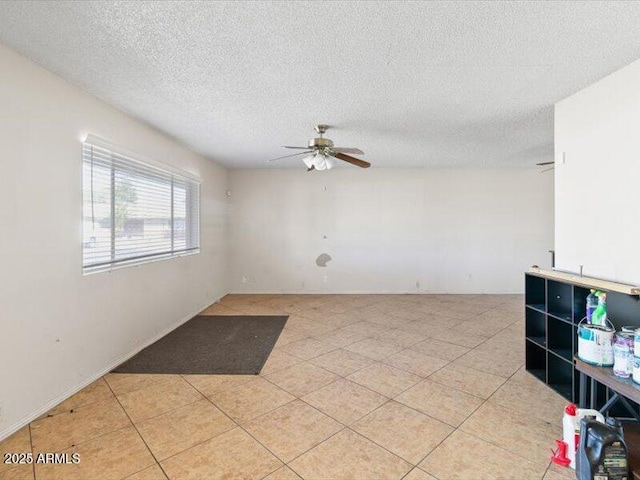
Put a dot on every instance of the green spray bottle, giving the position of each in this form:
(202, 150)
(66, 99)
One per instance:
(592, 304)
(599, 316)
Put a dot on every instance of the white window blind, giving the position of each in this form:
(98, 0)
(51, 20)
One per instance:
(134, 212)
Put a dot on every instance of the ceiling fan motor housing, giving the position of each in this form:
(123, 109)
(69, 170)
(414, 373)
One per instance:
(320, 142)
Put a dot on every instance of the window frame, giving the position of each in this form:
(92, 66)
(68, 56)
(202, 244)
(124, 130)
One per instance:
(141, 162)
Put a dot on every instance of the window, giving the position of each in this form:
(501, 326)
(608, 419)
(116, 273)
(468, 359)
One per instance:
(133, 211)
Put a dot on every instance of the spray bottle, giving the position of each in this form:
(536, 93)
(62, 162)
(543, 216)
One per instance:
(592, 304)
(599, 316)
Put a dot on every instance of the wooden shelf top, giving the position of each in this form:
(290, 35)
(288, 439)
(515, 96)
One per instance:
(624, 386)
(588, 282)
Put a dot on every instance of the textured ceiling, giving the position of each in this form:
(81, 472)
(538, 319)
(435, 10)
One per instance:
(411, 84)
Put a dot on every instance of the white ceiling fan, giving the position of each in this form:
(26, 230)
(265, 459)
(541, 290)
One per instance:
(321, 154)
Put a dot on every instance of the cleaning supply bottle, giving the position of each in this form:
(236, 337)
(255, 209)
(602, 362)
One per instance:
(565, 455)
(592, 304)
(599, 316)
(602, 452)
(569, 434)
(623, 355)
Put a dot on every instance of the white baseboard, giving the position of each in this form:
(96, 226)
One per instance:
(364, 292)
(72, 391)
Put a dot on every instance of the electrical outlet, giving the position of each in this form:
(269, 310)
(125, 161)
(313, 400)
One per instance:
(1, 414)
(325, 279)
(243, 279)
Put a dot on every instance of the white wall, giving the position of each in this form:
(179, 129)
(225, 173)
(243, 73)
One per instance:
(598, 184)
(58, 328)
(389, 230)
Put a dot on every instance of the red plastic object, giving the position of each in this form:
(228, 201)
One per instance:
(571, 409)
(559, 457)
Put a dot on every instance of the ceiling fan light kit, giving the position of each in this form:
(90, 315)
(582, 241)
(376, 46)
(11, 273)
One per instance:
(321, 154)
(318, 161)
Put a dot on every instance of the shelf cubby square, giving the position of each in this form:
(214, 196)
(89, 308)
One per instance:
(535, 326)
(535, 292)
(560, 300)
(560, 338)
(560, 376)
(536, 360)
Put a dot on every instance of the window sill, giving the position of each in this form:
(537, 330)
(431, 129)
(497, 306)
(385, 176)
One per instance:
(136, 263)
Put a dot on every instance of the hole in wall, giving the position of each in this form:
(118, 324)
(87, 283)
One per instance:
(323, 259)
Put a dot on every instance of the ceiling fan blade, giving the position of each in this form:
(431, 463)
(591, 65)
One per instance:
(545, 163)
(287, 156)
(356, 151)
(352, 160)
(297, 148)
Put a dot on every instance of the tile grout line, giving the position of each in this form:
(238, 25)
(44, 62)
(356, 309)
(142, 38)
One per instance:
(474, 348)
(315, 389)
(164, 381)
(238, 425)
(457, 428)
(413, 465)
(348, 426)
(288, 464)
(50, 415)
(66, 447)
(95, 438)
(210, 438)
(393, 399)
(499, 447)
(139, 435)
(417, 468)
(159, 382)
(344, 426)
(514, 411)
(32, 452)
(505, 380)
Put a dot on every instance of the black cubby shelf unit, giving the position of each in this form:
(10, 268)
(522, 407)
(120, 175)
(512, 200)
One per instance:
(555, 302)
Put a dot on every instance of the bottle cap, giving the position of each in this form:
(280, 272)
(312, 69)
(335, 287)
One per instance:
(570, 409)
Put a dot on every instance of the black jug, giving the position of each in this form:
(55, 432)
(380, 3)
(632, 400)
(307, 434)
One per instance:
(602, 453)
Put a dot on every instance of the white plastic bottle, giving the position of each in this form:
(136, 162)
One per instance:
(571, 428)
(569, 433)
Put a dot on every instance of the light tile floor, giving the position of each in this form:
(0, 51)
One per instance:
(357, 387)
